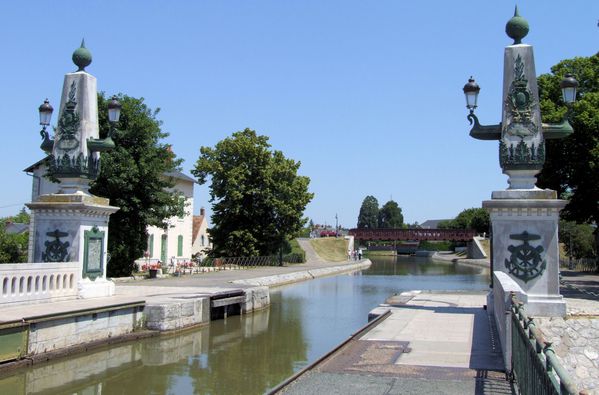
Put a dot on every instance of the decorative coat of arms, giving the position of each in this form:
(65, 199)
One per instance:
(68, 124)
(525, 262)
(56, 250)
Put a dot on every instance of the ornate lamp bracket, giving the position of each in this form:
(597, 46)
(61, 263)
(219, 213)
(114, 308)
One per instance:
(557, 130)
(483, 132)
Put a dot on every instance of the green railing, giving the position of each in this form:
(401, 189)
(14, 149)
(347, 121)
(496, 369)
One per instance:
(535, 366)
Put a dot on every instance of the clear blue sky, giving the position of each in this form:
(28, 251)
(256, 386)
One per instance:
(367, 95)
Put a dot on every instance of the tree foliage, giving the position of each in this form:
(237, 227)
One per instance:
(258, 197)
(572, 164)
(471, 218)
(13, 247)
(369, 213)
(390, 216)
(578, 239)
(133, 178)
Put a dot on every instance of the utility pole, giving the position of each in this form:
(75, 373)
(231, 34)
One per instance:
(336, 225)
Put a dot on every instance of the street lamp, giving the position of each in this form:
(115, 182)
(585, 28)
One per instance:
(114, 113)
(45, 111)
(569, 85)
(471, 90)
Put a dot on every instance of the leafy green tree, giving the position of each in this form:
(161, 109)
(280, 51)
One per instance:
(578, 239)
(13, 247)
(471, 218)
(390, 216)
(572, 164)
(369, 213)
(133, 178)
(258, 197)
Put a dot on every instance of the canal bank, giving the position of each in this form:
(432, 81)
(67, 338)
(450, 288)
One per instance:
(304, 321)
(33, 333)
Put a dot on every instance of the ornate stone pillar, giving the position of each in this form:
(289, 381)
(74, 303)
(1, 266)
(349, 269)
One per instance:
(72, 225)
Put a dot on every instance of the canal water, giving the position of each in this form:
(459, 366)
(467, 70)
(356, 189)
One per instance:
(249, 354)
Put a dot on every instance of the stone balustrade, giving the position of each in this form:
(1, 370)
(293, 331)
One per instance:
(24, 282)
(503, 287)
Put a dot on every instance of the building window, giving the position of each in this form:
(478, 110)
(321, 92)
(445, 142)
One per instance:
(203, 239)
(151, 245)
(180, 245)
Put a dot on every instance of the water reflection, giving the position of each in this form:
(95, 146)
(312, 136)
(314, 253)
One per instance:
(249, 354)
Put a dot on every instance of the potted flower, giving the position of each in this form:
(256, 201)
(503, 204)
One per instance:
(154, 267)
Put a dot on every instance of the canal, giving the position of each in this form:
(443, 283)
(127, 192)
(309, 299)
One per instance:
(249, 354)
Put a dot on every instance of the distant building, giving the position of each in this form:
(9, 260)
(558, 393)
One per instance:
(15, 228)
(432, 223)
(172, 243)
(201, 241)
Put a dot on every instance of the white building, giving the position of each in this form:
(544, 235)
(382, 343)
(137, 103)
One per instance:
(201, 241)
(173, 244)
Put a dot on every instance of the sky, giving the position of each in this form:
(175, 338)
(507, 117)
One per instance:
(366, 95)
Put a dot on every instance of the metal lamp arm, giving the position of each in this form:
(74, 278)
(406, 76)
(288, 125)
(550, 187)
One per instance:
(483, 132)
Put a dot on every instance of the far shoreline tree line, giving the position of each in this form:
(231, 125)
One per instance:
(258, 197)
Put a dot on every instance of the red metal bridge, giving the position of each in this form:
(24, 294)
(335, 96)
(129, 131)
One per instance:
(413, 234)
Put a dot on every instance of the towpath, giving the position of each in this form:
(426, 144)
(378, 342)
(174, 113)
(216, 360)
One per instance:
(431, 343)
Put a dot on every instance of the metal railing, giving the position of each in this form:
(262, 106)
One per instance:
(535, 366)
(235, 263)
(589, 265)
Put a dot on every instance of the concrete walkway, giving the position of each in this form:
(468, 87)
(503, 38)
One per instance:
(197, 285)
(432, 343)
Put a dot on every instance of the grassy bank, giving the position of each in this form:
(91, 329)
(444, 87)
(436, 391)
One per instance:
(379, 253)
(330, 248)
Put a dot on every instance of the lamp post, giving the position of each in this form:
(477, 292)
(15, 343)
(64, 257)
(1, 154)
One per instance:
(45, 111)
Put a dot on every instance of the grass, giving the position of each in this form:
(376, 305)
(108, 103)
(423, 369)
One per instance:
(379, 253)
(330, 248)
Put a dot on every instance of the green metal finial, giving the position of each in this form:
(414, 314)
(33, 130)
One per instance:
(82, 57)
(517, 27)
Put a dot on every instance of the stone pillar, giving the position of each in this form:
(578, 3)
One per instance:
(525, 246)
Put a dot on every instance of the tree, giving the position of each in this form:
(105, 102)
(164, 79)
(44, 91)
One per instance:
(390, 216)
(471, 218)
(369, 213)
(572, 164)
(577, 239)
(258, 197)
(133, 178)
(13, 247)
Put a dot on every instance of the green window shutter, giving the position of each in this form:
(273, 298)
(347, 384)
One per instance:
(179, 245)
(151, 245)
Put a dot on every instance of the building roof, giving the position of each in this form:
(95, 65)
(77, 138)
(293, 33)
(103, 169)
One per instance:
(175, 174)
(197, 224)
(36, 165)
(16, 228)
(179, 175)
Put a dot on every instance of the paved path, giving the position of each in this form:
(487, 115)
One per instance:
(311, 255)
(432, 343)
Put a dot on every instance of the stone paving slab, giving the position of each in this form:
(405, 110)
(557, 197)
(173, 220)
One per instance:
(433, 343)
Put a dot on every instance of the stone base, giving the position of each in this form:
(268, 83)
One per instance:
(524, 194)
(544, 305)
(99, 288)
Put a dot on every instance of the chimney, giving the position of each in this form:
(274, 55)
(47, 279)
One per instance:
(202, 212)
